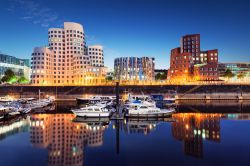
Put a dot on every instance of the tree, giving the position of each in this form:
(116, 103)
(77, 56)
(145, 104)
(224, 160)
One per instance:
(240, 76)
(109, 78)
(229, 74)
(161, 76)
(22, 80)
(9, 76)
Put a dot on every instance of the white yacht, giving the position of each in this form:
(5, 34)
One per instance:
(133, 103)
(98, 110)
(146, 110)
(95, 99)
(6, 99)
(38, 103)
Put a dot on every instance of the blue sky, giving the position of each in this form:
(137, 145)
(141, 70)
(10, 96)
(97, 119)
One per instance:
(130, 27)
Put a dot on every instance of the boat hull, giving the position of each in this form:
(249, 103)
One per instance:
(90, 101)
(92, 114)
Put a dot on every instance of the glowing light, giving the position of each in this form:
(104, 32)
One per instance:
(150, 126)
(203, 135)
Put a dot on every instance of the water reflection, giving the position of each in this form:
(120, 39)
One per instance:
(140, 126)
(64, 139)
(193, 128)
(13, 126)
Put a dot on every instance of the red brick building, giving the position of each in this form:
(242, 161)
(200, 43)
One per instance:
(180, 65)
(206, 72)
(191, 44)
(188, 62)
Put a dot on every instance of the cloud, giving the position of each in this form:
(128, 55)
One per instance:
(26, 18)
(91, 39)
(34, 12)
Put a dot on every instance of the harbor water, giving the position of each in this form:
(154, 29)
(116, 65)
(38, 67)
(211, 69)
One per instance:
(197, 134)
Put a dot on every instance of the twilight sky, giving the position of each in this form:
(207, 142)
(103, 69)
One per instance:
(130, 27)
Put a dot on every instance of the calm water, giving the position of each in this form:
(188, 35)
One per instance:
(191, 137)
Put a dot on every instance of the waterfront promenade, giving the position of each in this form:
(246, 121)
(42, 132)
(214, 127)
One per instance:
(184, 92)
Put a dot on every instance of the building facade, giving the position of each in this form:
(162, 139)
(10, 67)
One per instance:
(65, 60)
(189, 63)
(21, 67)
(191, 44)
(96, 55)
(237, 69)
(181, 66)
(134, 68)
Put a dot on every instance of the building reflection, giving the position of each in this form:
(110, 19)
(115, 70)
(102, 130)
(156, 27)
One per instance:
(13, 126)
(194, 128)
(64, 139)
(237, 116)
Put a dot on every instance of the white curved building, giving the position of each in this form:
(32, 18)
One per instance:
(66, 58)
(96, 55)
(42, 66)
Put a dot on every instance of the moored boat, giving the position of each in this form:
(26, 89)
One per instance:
(98, 110)
(145, 110)
(6, 99)
(94, 99)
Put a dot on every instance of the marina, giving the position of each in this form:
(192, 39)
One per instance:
(124, 83)
(186, 138)
(23, 106)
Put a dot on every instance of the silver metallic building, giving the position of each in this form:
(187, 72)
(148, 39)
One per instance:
(134, 68)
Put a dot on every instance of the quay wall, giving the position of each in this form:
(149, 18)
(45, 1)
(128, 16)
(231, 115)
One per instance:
(184, 92)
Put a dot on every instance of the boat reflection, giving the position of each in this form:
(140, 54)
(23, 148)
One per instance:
(140, 126)
(66, 137)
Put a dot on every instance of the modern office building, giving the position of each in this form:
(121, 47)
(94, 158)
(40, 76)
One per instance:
(21, 67)
(188, 62)
(96, 55)
(134, 68)
(66, 59)
(242, 68)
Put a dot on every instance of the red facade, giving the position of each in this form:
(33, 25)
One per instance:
(188, 62)
(206, 72)
(180, 64)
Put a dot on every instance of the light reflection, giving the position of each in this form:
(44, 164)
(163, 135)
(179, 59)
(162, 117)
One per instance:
(203, 126)
(13, 126)
(64, 139)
